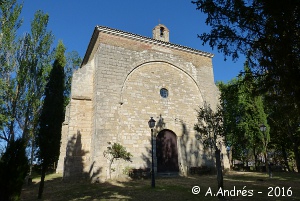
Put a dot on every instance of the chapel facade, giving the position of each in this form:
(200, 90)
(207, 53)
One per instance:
(125, 79)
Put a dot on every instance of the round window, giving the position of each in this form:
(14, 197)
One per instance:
(164, 92)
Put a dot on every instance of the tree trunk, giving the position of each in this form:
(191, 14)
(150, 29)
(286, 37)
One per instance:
(41, 187)
(231, 157)
(285, 158)
(297, 156)
(219, 172)
(31, 156)
(11, 132)
(266, 162)
(109, 168)
(255, 158)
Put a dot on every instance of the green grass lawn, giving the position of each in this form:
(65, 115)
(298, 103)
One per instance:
(176, 188)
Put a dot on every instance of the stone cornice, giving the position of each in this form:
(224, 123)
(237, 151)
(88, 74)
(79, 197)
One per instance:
(104, 29)
(81, 98)
(151, 40)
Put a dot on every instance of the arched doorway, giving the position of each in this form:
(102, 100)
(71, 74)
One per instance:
(166, 151)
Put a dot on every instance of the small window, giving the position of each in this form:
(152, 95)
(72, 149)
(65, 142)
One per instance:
(162, 31)
(164, 93)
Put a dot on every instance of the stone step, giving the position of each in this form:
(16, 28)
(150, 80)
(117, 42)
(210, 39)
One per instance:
(167, 174)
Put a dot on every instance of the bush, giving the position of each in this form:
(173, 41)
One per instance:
(200, 170)
(141, 173)
(13, 170)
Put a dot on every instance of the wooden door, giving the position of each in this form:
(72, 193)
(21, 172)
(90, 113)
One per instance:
(166, 151)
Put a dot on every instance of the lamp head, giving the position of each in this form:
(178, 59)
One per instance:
(262, 128)
(151, 123)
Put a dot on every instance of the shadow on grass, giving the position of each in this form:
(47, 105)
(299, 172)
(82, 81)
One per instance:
(177, 188)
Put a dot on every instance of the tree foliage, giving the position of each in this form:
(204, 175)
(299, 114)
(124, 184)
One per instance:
(37, 59)
(210, 126)
(24, 70)
(283, 132)
(52, 115)
(10, 89)
(267, 32)
(244, 112)
(285, 129)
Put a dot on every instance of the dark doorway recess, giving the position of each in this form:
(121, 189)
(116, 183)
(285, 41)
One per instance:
(166, 151)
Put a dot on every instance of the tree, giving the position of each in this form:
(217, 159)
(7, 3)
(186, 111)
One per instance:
(243, 113)
(285, 131)
(267, 33)
(36, 60)
(115, 152)
(253, 115)
(210, 131)
(52, 116)
(11, 85)
(24, 69)
(13, 169)
(232, 113)
(9, 24)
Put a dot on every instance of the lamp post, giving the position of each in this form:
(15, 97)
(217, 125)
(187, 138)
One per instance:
(263, 129)
(151, 124)
(228, 154)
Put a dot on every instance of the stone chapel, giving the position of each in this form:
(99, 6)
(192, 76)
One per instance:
(125, 79)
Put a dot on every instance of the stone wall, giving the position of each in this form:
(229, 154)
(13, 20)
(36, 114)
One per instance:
(77, 128)
(129, 77)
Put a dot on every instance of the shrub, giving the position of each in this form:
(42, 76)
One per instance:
(13, 169)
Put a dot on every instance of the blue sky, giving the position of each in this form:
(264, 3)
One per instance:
(73, 22)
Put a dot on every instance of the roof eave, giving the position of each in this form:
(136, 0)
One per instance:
(125, 34)
(90, 46)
